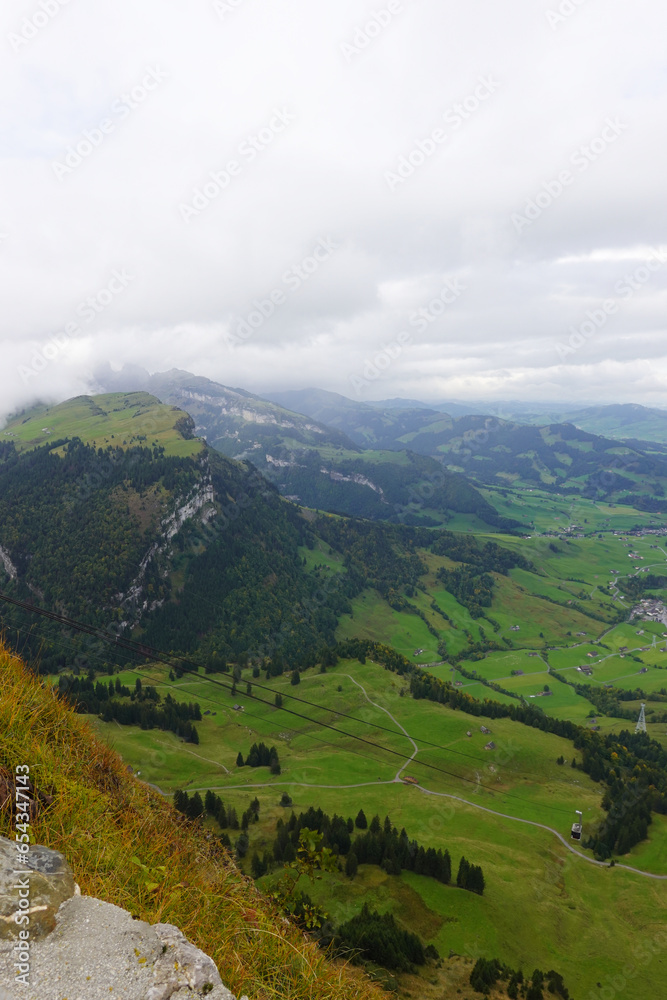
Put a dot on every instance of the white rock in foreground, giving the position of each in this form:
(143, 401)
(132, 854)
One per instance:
(98, 950)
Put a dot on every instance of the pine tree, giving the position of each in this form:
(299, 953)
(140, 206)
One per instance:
(209, 803)
(351, 865)
(278, 701)
(257, 866)
(462, 874)
(239, 759)
(195, 806)
(295, 678)
(361, 822)
(181, 801)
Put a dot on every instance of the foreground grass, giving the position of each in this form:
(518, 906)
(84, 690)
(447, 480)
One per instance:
(101, 818)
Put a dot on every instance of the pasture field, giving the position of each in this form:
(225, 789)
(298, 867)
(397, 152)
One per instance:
(557, 905)
(115, 419)
(373, 618)
(543, 511)
(511, 778)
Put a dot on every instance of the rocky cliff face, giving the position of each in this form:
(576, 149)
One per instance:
(56, 944)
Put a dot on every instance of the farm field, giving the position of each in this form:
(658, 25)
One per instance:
(373, 618)
(556, 905)
(543, 511)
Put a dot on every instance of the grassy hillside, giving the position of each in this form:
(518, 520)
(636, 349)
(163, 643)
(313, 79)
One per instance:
(542, 906)
(510, 450)
(119, 420)
(320, 465)
(104, 821)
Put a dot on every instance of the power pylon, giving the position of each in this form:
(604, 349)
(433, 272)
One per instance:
(641, 722)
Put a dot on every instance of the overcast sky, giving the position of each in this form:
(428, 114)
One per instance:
(396, 197)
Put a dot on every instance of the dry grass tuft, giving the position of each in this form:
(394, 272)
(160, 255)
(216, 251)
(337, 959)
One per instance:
(128, 847)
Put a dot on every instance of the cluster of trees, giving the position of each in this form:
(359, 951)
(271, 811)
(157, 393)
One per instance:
(474, 591)
(145, 707)
(487, 558)
(380, 844)
(470, 877)
(336, 833)
(260, 755)
(471, 584)
(361, 649)
(194, 807)
(488, 973)
(635, 586)
(370, 936)
(213, 806)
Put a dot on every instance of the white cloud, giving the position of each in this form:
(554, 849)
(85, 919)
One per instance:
(221, 80)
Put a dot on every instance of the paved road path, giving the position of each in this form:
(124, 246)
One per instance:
(444, 795)
(396, 723)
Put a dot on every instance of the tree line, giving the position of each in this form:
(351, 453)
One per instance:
(379, 843)
(145, 707)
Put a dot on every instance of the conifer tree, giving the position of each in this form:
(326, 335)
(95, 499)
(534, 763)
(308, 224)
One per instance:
(361, 822)
(351, 865)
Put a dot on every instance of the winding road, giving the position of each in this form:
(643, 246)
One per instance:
(445, 795)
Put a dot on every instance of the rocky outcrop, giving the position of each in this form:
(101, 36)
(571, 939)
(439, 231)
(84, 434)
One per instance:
(43, 882)
(10, 570)
(80, 948)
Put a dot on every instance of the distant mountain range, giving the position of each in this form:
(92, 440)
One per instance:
(621, 421)
(313, 461)
(378, 461)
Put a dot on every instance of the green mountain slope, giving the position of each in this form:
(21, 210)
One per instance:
(320, 465)
(559, 456)
(115, 523)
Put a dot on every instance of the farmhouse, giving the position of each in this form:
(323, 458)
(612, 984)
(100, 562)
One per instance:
(483, 729)
(490, 746)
